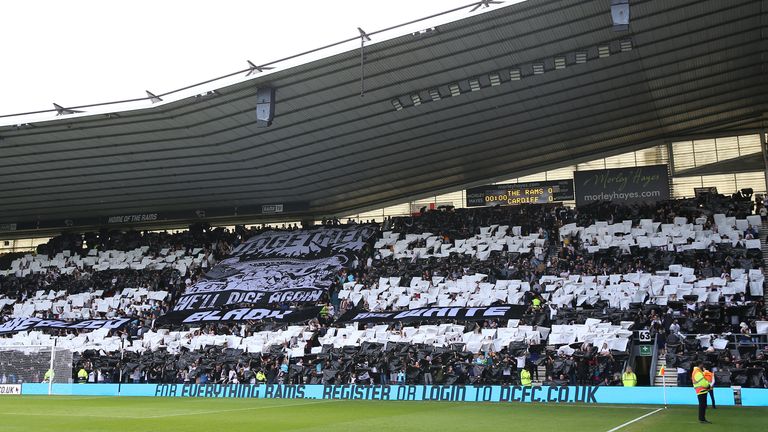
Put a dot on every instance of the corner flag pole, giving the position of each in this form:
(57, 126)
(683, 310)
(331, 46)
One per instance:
(664, 385)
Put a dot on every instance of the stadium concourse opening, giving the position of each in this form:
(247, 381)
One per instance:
(591, 246)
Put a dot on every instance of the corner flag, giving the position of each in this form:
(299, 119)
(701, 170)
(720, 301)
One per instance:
(664, 384)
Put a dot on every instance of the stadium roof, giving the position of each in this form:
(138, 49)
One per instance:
(746, 163)
(683, 68)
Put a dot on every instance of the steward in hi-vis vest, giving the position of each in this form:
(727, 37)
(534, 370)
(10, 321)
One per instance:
(701, 386)
(629, 379)
(525, 378)
(82, 376)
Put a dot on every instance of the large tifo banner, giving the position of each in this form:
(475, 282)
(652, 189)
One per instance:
(277, 267)
(398, 392)
(622, 185)
(24, 324)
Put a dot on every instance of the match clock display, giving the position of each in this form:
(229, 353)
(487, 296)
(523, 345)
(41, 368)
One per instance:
(520, 193)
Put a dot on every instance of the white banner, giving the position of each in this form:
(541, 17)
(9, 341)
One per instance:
(10, 389)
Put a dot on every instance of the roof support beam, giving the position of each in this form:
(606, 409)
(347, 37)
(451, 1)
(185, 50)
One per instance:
(363, 37)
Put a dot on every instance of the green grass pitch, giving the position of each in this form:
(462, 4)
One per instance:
(129, 414)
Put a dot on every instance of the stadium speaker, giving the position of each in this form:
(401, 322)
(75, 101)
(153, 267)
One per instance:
(265, 106)
(620, 14)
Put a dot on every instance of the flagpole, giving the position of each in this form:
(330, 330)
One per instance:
(122, 356)
(664, 385)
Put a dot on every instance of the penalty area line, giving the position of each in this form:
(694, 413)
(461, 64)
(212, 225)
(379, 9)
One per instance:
(635, 420)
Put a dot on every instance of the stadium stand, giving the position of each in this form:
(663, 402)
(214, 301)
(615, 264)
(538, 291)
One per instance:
(585, 280)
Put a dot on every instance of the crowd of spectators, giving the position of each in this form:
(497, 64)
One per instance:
(675, 326)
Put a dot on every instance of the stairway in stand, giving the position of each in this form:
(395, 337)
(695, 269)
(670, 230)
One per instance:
(670, 376)
(764, 246)
(542, 370)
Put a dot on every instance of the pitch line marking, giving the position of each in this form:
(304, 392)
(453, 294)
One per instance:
(70, 398)
(165, 415)
(66, 415)
(635, 420)
(601, 406)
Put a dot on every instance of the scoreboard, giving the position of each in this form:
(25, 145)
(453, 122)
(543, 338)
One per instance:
(520, 193)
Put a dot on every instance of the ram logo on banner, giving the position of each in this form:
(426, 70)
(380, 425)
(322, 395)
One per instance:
(622, 185)
(305, 244)
(276, 267)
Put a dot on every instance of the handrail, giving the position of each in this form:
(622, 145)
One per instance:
(630, 361)
(733, 338)
(654, 361)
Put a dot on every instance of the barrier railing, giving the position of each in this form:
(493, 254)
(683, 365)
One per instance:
(654, 361)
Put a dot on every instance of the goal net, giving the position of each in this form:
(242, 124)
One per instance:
(31, 364)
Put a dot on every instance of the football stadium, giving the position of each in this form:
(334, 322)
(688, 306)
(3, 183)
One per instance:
(541, 215)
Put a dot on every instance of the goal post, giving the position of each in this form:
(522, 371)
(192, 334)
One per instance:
(35, 364)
